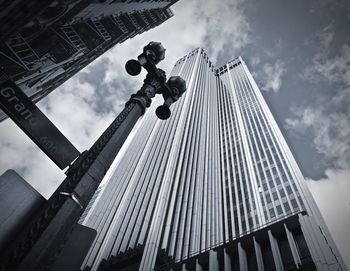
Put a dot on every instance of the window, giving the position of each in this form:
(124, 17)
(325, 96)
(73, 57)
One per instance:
(268, 198)
(279, 209)
(282, 193)
(275, 196)
(294, 203)
(286, 207)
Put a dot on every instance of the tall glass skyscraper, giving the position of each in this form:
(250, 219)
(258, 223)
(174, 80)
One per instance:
(215, 187)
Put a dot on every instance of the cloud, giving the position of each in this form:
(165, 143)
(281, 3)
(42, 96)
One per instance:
(326, 36)
(255, 60)
(226, 26)
(72, 107)
(328, 116)
(330, 130)
(322, 41)
(271, 76)
(332, 197)
(335, 69)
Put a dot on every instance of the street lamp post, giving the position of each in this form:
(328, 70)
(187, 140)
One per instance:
(39, 245)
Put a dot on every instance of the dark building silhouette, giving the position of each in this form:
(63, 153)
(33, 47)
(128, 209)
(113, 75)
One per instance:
(43, 43)
(215, 187)
(18, 201)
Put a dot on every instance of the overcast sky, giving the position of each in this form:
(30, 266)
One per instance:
(299, 54)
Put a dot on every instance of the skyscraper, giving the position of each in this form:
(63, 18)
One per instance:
(215, 187)
(44, 43)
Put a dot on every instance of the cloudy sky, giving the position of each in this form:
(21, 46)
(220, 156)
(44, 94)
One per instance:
(299, 54)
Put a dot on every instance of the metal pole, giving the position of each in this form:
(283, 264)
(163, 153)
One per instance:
(38, 246)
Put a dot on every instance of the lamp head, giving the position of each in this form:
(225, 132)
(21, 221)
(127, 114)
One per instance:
(154, 52)
(163, 112)
(133, 67)
(177, 87)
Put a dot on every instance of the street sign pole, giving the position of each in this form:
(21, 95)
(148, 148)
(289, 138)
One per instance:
(39, 245)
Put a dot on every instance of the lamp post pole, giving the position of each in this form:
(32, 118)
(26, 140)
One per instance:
(39, 245)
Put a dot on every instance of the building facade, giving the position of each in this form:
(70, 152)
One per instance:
(215, 187)
(44, 43)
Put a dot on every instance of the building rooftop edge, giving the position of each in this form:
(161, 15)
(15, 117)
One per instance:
(233, 61)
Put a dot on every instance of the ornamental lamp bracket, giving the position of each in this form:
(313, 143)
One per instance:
(171, 90)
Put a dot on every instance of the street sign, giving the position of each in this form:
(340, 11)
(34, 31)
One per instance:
(36, 125)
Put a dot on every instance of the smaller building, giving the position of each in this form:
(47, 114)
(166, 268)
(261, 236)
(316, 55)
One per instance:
(44, 43)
